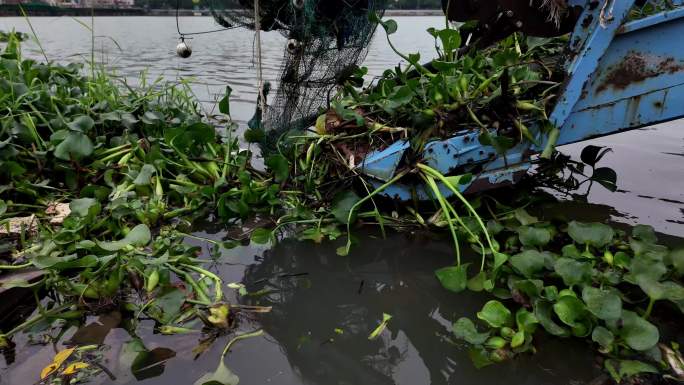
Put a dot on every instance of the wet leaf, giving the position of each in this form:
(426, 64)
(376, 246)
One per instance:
(453, 278)
(221, 376)
(73, 368)
(637, 332)
(149, 364)
(383, 324)
(644, 233)
(261, 236)
(573, 272)
(677, 258)
(534, 236)
(138, 236)
(625, 369)
(224, 103)
(57, 361)
(495, 314)
(572, 312)
(524, 218)
(167, 306)
(526, 321)
(528, 263)
(593, 234)
(75, 146)
(604, 304)
(478, 355)
(603, 337)
(280, 167)
(660, 290)
(465, 329)
(144, 177)
(85, 207)
(543, 310)
(81, 124)
(342, 205)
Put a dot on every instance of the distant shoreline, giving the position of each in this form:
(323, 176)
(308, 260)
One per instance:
(35, 10)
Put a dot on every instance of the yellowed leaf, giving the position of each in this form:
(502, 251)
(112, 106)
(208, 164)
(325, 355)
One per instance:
(73, 368)
(48, 370)
(62, 356)
(56, 362)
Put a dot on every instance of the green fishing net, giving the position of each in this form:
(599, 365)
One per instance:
(327, 39)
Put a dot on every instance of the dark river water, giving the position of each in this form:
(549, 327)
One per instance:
(313, 291)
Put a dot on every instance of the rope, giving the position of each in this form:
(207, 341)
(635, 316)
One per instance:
(184, 34)
(260, 81)
(606, 17)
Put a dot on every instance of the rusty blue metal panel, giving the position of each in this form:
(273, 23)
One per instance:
(383, 164)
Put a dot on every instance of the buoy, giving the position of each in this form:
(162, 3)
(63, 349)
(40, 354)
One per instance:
(293, 46)
(183, 49)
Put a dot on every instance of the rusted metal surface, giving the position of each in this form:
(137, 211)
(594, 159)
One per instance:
(637, 67)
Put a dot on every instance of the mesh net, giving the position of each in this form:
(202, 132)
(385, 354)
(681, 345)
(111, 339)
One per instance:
(326, 40)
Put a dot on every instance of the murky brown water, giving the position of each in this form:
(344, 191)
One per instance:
(312, 290)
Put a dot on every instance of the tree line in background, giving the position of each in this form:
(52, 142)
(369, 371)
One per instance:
(189, 4)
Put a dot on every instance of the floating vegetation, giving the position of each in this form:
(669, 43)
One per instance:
(5, 36)
(100, 182)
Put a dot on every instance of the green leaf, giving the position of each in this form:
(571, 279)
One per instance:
(660, 290)
(85, 207)
(221, 376)
(677, 258)
(603, 337)
(75, 146)
(342, 204)
(524, 218)
(138, 236)
(528, 263)
(534, 236)
(478, 355)
(82, 124)
(543, 310)
(644, 233)
(383, 325)
(572, 312)
(224, 103)
(465, 329)
(593, 234)
(166, 307)
(3, 207)
(518, 339)
(145, 175)
(453, 278)
(637, 332)
(604, 304)
(625, 369)
(261, 236)
(495, 314)
(280, 167)
(479, 282)
(573, 272)
(526, 321)
(390, 26)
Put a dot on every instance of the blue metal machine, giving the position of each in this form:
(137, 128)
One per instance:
(622, 75)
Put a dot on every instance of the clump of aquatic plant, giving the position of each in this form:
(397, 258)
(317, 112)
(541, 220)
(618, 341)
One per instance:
(6, 36)
(582, 280)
